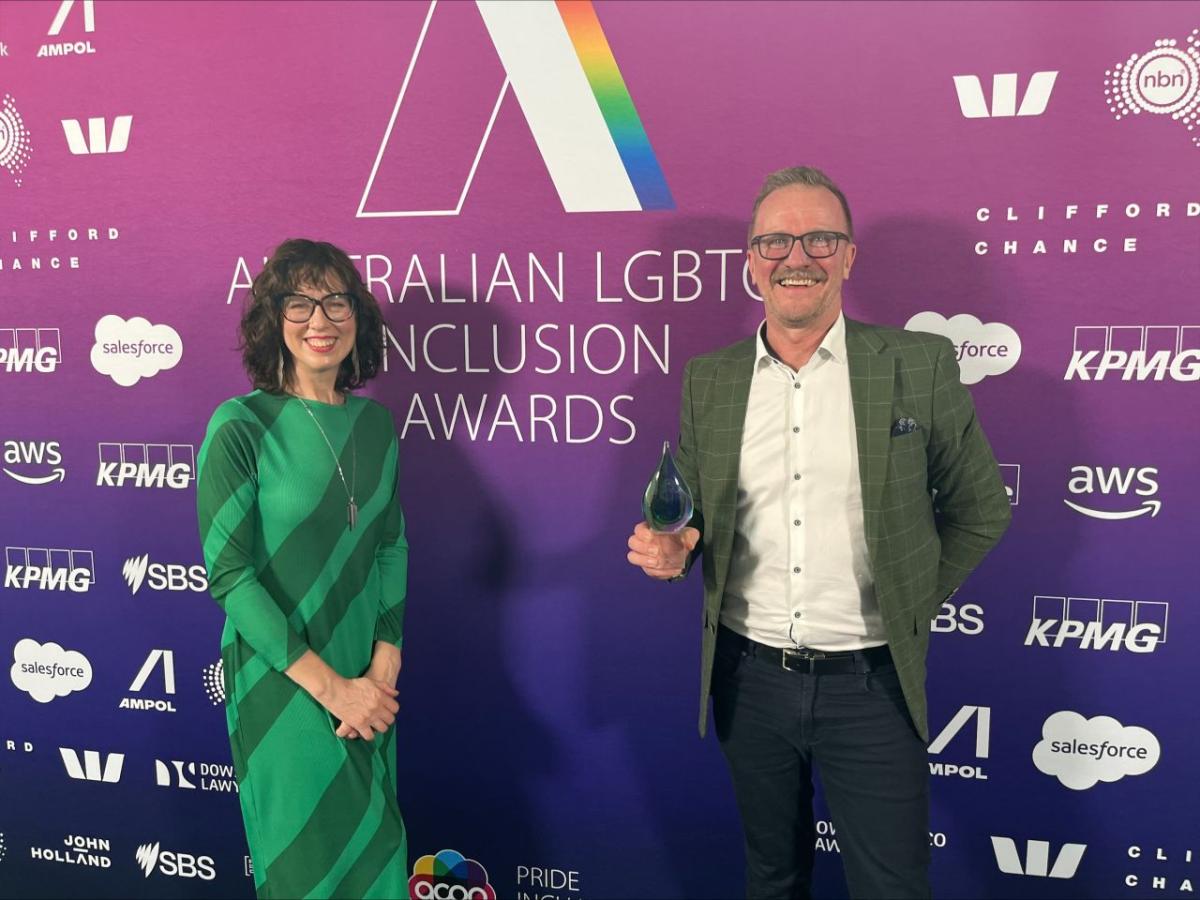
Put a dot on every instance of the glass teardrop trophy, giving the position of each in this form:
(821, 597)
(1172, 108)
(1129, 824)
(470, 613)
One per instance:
(667, 504)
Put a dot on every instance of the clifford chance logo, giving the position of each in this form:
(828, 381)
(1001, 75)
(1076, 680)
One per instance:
(128, 351)
(1080, 752)
(981, 350)
(449, 875)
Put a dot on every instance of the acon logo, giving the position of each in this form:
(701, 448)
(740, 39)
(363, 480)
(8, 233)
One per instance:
(1135, 353)
(146, 465)
(449, 876)
(1088, 481)
(981, 350)
(1138, 626)
(138, 570)
(29, 349)
(151, 858)
(44, 458)
(49, 569)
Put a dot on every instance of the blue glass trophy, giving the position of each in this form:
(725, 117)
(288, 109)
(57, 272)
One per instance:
(667, 504)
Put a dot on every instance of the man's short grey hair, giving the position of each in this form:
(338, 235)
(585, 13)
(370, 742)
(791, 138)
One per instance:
(802, 175)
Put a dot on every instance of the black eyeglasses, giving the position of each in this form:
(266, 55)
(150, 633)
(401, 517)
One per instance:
(817, 244)
(299, 307)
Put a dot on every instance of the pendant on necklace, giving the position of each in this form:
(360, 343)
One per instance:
(352, 514)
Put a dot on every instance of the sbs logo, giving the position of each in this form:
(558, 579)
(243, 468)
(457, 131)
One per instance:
(449, 876)
(981, 350)
(162, 576)
(151, 858)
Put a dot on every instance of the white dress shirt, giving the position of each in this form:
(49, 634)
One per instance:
(800, 575)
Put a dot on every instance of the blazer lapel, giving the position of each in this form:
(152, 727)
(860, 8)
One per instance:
(729, 421)
(872, 381)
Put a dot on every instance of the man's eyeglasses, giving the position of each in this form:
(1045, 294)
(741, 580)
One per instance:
(299, 307)
(817, 244)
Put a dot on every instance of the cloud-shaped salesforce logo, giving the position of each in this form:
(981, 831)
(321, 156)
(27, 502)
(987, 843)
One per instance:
(982, 350)
(1079, 752)
(449, 876)
(128, 351)
(46, 671)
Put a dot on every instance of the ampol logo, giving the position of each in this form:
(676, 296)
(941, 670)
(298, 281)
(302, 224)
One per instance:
(1162, 81)
(129, 351)
(15, 146)
(69, 48)
(557, 61)
(1080, 752)
(981, 350)
(46, 671)
(449, 876)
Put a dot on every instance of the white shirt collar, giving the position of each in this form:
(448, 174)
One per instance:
(832, 346)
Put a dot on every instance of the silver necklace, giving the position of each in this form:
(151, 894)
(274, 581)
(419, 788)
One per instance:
(351, 506)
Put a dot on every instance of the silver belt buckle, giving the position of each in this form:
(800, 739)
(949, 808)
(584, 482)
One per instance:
(803, 654)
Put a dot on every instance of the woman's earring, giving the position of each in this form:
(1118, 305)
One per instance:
(354, 358)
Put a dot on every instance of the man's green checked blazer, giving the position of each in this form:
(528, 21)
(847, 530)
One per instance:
(921, 546)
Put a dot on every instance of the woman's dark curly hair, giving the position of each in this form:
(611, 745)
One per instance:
(296, 262)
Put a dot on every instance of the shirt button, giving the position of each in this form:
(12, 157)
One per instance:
(797, 615)
(796, 385)
(795, 521)
(796, 477)
(796, 569)
(795, 429)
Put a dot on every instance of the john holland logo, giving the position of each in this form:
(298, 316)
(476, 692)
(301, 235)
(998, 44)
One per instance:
(1037, 858)
(556, 59)
(1135, 353)
(152, 858)
(46, 671)
(15, 146)
(449, 876)
(29, 349)
(1138, 626)
(162, 576)
(116, 141)
(146, 465)
(93, 766)
(1004, 95)
(49, 569)
(981, 350)
(77, 850)
(1080, 752)
(86, 18)
(33, 462)
(1162, 81)
(1087, 482)
(129, 351)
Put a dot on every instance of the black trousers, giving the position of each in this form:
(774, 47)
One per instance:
(774, 724)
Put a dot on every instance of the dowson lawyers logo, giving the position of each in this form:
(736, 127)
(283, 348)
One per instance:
(204, 776)
(1092, 623)
(115, 141)
(32, 350)
(152, 858)
(46, 671)
(983, 735)
(146, 465)
(128, 351)
(1135, 353)
(1163, 81)
(92, 766)
(1099, 482)
(33, 462)
(449, 874)
(1037, 858)
(15, 145)
(981, 350)
(973, 105)
(1080, 752)
(138, 571)
(557, 61)
(49, 569)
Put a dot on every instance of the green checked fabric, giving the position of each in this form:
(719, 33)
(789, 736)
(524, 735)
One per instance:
(920, 550)
(321, 813)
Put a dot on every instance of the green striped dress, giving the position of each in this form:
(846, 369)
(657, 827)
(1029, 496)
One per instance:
(321, 813)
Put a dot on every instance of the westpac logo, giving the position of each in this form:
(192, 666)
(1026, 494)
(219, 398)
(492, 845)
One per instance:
(146, 465)
(45, 458)
(94, 766)
(151, 858)
(1037, 858)
(556, 59)
(1087, 481)
(1004, 95)
(49, 569)
(15, 146)
(1138, 626)
(76, 47)
(1081, 752)
(981, 350)
(165, 658)
(30, 349)
(1162, 81)
(162, 576)
(1010, 473)
(983, 735)
(1136, 352)
(192, 776)
(117, 140)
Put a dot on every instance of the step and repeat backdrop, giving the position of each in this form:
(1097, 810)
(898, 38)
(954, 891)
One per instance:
(549, 200)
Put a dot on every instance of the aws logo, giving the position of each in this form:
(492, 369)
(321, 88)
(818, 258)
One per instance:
(1089, 481)
(556, 59)
(42, 461)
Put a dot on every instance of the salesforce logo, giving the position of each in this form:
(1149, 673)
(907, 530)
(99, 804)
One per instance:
(128, 351)
(981, 350)
(1080, 752)
(46, 671)
(449, 876)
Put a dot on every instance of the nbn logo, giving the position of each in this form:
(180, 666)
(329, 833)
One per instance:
(1037, 858)
(116, 142)
(559, 66)
(1004, 95)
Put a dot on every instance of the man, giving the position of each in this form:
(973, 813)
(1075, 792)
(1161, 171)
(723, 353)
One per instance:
(844, 489)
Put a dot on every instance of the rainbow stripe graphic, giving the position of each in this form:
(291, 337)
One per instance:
(616, 106)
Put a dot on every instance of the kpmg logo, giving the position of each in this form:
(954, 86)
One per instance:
(1138, 626)
(152, 858)
(1004, 95)
(41, 461)
(1135, 353)
(214, 682)
(451, 875)
(1088, 481)
(556, 59)
(1162, 81)
(49, 569)
(1037, 858)
(116, 141)
(983, 736)
(128, 351)
(146, 465)
(1080, 752)
(156, 657)
(46, 671)
(76, 47)
(30, 349)
(981, 350)
(94, 766)
(162, 576)
(15, 146)
(191, 776)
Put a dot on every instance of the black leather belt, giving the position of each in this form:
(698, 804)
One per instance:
(812, 662)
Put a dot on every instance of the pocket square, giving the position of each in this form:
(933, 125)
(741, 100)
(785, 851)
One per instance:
(904, 426)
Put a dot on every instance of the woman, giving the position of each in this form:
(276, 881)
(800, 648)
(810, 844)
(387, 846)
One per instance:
(304, 543)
